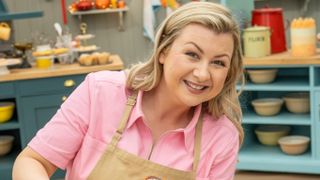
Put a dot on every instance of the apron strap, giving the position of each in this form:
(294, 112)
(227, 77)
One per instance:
(197, 144)
(124, 119)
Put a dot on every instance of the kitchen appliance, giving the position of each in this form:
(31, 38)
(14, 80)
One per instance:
(273, 18)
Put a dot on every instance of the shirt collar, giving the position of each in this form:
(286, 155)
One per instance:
(136, 111)
(188, 132)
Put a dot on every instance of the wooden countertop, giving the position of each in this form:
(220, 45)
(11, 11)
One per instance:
(60, 70)
(283, 59)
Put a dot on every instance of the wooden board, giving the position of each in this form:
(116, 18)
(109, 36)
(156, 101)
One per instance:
(284, 58)
(60, 70)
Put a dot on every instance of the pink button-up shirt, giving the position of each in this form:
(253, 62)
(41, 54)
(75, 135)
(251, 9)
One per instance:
(78, 133)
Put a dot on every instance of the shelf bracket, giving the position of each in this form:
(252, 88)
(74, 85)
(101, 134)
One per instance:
(121, 24)
(304, 8)
(99, 11)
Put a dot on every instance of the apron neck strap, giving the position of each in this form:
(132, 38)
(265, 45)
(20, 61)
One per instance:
(124, 119)
(197, 143)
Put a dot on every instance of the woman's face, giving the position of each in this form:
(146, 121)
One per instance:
(196, 66)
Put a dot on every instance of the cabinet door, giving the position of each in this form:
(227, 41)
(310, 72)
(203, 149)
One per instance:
(317, 124)
(37, 111)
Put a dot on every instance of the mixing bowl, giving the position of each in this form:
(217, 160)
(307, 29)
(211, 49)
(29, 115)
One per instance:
(294, 145)
(297, 102)
(262, 75)
(6, 111)
(267, 106)
(6, 142)
(270, 134)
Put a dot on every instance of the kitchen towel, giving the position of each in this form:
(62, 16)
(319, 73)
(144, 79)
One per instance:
(149, 19)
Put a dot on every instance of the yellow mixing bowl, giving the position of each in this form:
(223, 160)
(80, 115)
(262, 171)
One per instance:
(6, 111)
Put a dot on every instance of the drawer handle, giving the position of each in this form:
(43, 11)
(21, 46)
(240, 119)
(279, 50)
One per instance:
(69, 83)
(64, 98)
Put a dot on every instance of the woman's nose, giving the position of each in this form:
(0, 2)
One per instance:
(202, 72)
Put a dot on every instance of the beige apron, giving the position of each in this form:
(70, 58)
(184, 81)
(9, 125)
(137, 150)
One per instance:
(117, 164)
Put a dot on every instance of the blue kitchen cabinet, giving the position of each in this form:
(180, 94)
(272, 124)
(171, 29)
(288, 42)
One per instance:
(37, 111)
(257, 157)
(37, 100)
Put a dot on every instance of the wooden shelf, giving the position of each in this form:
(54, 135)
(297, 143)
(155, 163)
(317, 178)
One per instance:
(280, 84)
(21, 15)
(120, 12)
(12, 124)
(100, 11)
(283, 59)
(265, 158)
(285, 118)
(60, 70)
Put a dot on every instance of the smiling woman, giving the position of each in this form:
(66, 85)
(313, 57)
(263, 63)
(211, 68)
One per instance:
(203, 65)
(175, 116)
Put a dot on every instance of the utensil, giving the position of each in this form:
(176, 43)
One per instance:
(58, 28)
(64, 10)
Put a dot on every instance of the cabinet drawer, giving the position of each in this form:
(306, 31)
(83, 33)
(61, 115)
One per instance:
(6, 89)
(49, 85)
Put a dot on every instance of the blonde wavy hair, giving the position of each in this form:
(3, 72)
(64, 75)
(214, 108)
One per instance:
(146, 76)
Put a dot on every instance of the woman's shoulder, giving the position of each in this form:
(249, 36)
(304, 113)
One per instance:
(114, 77)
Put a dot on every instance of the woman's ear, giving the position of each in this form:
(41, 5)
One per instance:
(162, 58)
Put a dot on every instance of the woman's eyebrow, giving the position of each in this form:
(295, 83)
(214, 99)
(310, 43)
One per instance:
(217, 56)
(193, 43)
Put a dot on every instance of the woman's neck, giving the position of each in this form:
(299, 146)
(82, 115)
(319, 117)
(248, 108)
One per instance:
(159, 106)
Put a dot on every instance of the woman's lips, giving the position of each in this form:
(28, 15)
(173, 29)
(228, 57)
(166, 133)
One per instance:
(195, 88)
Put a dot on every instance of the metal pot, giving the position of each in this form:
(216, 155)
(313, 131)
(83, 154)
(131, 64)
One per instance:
(256, 41)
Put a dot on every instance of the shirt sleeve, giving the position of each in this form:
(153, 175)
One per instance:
(224, 167)
(60, 139)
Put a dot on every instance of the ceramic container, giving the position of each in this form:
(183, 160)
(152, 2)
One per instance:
(6, 111)
(256, 41)
(262, 76)
(270, 134)
(6, 142)
(294, 145)
(297, 102)
(267, 106)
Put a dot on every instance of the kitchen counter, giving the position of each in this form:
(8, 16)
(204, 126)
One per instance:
(60, 70)
(284, 58)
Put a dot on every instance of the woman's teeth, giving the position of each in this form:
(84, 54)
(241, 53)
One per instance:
(194, 86)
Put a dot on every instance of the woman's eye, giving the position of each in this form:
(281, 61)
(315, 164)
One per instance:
(219, 63)
(192, 54)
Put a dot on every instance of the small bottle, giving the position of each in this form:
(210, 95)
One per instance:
(114, 4)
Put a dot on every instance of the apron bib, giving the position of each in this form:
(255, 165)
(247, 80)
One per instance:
(117, 164)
